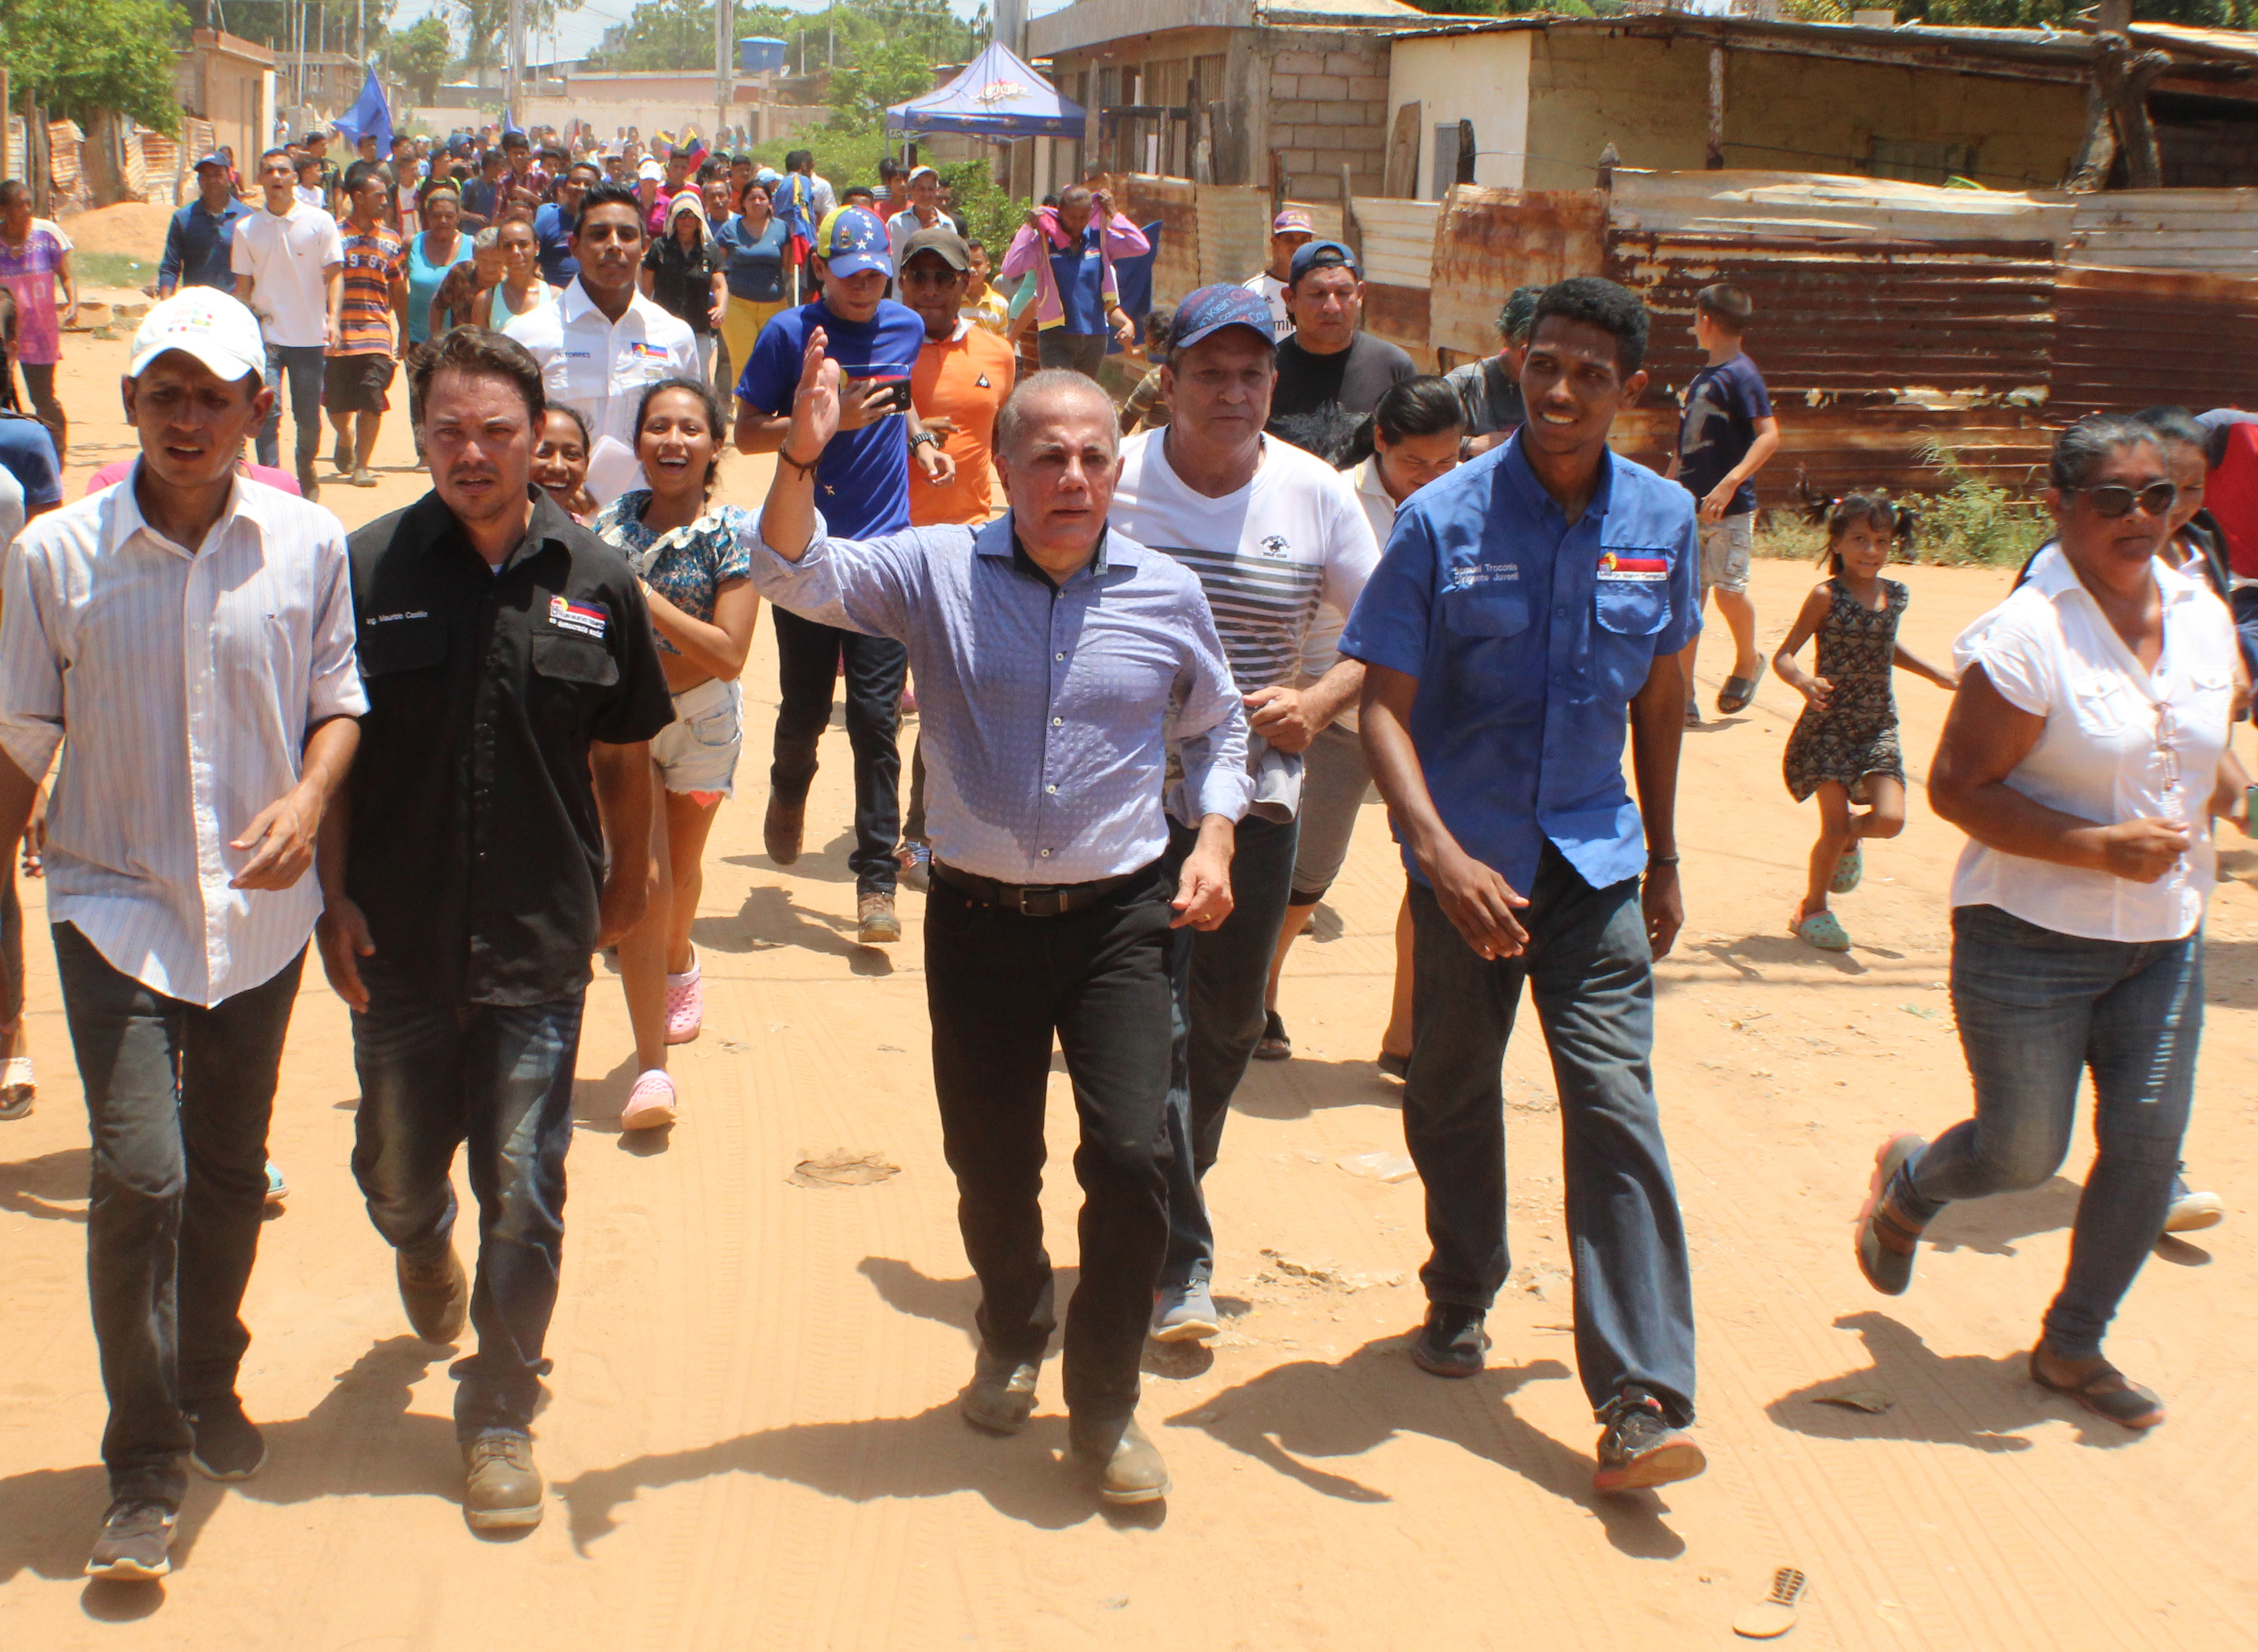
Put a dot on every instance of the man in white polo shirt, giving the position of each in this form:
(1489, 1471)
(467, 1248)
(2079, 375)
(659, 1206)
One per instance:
(193, 781)
(290, 261)
(602, 343)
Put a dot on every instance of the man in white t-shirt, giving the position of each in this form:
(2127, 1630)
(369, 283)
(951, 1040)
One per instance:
(290, 261)
(1272, 533)
(1290, 231)
(923, 213)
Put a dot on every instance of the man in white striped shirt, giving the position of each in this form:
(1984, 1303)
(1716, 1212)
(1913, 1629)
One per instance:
(1272, 533)
(190, 633)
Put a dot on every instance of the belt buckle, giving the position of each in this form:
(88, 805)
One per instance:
(1041, 902)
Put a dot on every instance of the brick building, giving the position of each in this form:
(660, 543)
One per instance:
(1213, 90)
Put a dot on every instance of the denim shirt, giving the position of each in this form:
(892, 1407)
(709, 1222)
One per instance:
(1529, 636)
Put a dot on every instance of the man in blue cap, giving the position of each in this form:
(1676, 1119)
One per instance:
(1273, 534)
(1330, 373)
(862, 488)
(199, 241)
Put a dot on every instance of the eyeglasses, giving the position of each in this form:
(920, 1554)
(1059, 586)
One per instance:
(2112, 500)
(2164, 749)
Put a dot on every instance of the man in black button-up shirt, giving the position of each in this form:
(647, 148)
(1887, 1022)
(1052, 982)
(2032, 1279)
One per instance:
(509, 658)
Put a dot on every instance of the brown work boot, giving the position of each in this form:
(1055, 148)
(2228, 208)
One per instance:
(780, 832)
(435, 1294)
(502, 1489)
(874, 908)
(1125, 1466)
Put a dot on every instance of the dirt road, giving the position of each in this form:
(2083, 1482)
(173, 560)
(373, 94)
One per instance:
(753, 1442)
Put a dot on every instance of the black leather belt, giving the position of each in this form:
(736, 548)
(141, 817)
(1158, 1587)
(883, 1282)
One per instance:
(1030, 900)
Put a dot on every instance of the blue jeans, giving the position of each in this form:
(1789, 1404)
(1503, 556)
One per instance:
(1217, 978)
(302, 365)
(496, 1080)
(1591, 976)
(2037, 1009)
(177, 1099)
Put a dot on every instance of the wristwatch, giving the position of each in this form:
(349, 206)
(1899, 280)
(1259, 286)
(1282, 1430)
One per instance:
(918, 436)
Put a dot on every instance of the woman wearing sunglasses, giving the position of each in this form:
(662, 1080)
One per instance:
(2082, 758)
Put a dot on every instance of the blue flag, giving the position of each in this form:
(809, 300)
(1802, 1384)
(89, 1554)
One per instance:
(370, 114)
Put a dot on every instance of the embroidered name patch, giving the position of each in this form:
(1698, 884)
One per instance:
(585, 619)
(1635, 567)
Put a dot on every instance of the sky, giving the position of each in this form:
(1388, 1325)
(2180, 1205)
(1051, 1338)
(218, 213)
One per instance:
(578, 30)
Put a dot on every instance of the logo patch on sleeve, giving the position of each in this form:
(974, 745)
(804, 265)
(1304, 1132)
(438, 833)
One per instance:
(583, 619)
(1635, 567)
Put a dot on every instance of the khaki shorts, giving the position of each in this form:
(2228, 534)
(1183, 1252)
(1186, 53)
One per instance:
(697, 750)
(1726, 547)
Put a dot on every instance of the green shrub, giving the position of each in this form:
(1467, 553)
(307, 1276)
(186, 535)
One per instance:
(1972, 522)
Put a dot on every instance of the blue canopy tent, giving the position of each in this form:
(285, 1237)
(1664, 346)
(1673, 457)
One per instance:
(996, 97)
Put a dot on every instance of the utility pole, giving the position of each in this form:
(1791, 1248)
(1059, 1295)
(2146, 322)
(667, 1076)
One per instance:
(724, 70)
(360, 31)
(513, 92)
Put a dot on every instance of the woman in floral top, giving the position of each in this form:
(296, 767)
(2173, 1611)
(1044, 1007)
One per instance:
(694, 572)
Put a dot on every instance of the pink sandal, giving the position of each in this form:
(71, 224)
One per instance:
(685, 1005)
(652, 1104)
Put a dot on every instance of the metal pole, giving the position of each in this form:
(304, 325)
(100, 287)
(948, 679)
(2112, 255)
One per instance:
(723, 82)
(515, 93)
(1715, 158)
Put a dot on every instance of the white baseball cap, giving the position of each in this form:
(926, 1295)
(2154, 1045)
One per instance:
(651, 170)
(218, 330)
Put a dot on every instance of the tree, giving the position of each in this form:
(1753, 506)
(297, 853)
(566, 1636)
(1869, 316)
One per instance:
(330, 25)
(486, 26)
(861, 91)
(660, 34)
(420, 56)
(79, 56)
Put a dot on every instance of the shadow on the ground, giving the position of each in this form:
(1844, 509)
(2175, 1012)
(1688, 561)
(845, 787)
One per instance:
(770, 917)
(361, 1441)
(826, 864)
(1303, 1086)
(1746, 956)
(1991, 1225)
(40, 1186)
(1314, 1409)
(1978, 1400)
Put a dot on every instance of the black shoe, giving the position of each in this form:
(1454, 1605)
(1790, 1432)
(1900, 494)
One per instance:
(1639, 1447)
(229, 1445)
(435, 1294)
(136, 1537)
(1451, 1342)
(1001, 1395)
(502, 1491)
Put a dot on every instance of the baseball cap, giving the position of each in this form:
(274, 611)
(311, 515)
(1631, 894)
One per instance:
(1212, 309)
(218, 330)
(651, 170)
(916, 173)
(216, 159)
(1293, 219)
(1321, 255)
(947, 243)
(853, 241)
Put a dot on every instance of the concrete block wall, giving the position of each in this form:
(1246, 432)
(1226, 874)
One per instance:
(1326, 105)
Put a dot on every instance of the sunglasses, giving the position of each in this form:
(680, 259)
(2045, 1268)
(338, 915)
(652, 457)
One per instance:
(2112, 500)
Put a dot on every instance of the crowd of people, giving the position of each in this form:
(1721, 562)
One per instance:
(1158, 647)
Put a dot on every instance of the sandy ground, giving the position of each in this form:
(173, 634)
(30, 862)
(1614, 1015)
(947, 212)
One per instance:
(753, 1440)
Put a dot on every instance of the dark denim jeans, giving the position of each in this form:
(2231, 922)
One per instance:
(303, 367)
(2037, 1009)
(1218, 977)
(808, 666)
(998, 987)
(496, 1080)
(1591, 976)
(177, 1099)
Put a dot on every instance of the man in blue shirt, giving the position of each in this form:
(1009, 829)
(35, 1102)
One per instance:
(863, 486)
(201, 239)
(1529, 604)
(552, 225)
(27, 452)
(1056, 660)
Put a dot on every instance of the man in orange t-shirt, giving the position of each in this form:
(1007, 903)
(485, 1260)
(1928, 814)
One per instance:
(963, 373)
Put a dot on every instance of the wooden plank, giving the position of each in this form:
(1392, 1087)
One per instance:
(1234, 231)
(1487, 242)
(1400, 174)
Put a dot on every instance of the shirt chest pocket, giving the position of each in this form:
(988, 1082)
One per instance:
(1483, 624)
(2105, 706)
(390, 652)
(1630, 612)
(1485, 613)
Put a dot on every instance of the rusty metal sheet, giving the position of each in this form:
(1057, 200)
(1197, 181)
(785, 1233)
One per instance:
(1826, 452)
(1399, 315)
(1487, 242)
(1147, 198)
(1851, 316)
(2127, 339)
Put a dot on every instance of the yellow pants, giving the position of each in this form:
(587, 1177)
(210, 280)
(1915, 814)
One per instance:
(741, 325)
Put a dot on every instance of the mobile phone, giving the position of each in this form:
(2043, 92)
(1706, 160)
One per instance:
(894, 394)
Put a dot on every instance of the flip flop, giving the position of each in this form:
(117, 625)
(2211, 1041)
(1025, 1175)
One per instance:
(2108, 1393)
(1736, 694)
(1273, 1046)
(1822, 930)
(1848, 871)
(1775, 1615)
(1693, 715)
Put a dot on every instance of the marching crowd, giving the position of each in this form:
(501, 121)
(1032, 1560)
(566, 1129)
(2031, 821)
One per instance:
(1157, 652)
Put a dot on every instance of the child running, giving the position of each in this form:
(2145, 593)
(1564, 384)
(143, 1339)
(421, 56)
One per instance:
(1845, 746)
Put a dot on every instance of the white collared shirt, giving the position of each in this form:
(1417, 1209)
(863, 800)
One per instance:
(598, 367)
(287, 256)
(2120, 743)
(184, 683)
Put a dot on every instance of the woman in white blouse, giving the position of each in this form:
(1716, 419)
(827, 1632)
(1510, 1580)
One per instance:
(2082, 757)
